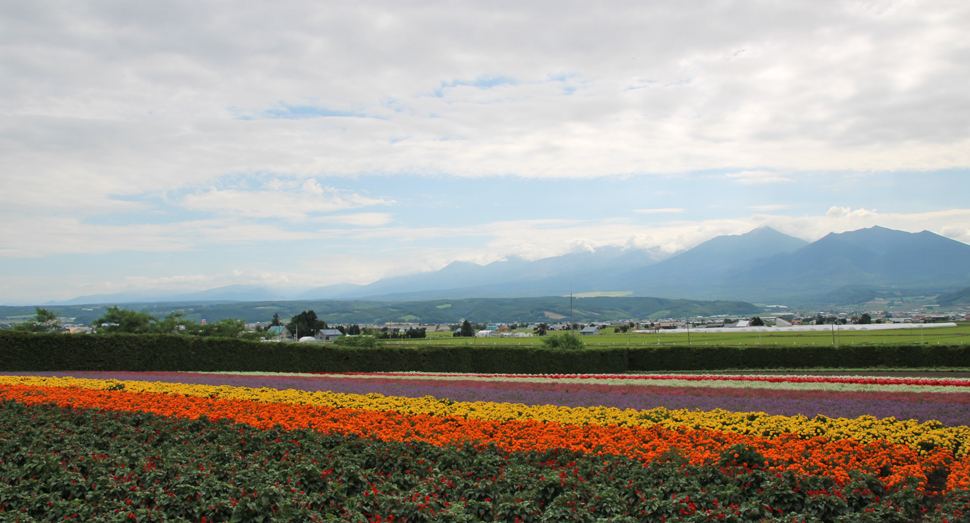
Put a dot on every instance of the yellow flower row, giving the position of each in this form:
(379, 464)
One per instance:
(920, 436)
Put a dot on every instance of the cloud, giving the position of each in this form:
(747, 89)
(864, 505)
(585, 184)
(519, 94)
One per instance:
(659, 211)
(310, 199)
(31, 237)
(847, 212)
(758, 177)
(171, 127)
(362, 219)
(101, 100)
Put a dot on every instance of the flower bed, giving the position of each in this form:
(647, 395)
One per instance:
(922, 460)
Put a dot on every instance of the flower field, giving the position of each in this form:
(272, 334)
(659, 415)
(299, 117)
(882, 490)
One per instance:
(461, 447)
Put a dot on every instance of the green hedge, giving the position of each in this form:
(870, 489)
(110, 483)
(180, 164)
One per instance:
(153, 352)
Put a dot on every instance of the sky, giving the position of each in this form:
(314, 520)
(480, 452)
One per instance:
(181, 146)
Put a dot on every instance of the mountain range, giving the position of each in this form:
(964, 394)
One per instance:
(763, 265)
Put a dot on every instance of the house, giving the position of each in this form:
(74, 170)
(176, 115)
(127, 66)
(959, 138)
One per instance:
(592, 330)
(328, 334)
(280, 332)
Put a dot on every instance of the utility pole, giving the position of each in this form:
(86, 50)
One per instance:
(688, 332)
(571, 333)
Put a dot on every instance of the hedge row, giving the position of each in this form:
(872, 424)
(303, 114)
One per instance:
(153, 352)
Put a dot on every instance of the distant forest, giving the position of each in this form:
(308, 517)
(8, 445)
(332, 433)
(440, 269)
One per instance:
(545, 309)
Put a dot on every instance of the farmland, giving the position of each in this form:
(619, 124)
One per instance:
(177, 446)
(936, 336)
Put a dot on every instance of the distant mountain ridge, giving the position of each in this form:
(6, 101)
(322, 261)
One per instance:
(707, 268)
(548, 309)
(759, 266)
(513, 277)
(226, 294)
(960, 296)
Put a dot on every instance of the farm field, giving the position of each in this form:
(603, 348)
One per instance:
(942, 336)
(172, 446)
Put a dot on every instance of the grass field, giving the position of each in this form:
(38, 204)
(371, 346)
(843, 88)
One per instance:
(942, 336)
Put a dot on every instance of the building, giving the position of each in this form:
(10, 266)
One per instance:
(328, 334)
(280, 332)
(590, 331)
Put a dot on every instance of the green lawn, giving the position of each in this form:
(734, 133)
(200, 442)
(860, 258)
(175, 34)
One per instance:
(944, 336)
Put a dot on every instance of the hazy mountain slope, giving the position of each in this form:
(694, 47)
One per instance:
(701, 271)
(876, 256)
(228, 293)
(512, 277)
(955, 297)
(762, 265)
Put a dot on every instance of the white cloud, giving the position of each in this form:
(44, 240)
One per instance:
(105, 111)
(310, 199)
(362, 219)
(31, 236)
(100, 100)
(758, 177)
(659, 211)
(847, 212)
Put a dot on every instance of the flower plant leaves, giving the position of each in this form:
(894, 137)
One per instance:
(93, 465)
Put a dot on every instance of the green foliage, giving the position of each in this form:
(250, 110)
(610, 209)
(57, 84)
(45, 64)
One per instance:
(466, 329)
(90, 465)
(116, 320)
(357, 341)
(45, 321)
(20, 351)
(305, 324)
(124, 320)
(563, 341)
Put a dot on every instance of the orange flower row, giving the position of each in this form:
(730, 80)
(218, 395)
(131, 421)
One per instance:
(816, 456)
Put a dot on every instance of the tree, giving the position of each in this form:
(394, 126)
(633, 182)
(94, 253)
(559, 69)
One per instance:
(304, 324)
(865, 319)
(540, 329)
(175, 323)
(227, 328)
(276, 320)
(371, 331)
(757, 322)
(566, 341)
(45, 321)
(466, 329)
(124, 320)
